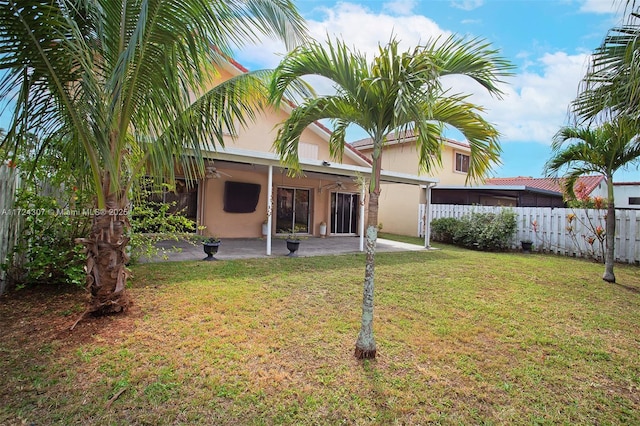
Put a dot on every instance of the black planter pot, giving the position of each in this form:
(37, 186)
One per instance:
(210, 249)
(292, 246)
(526, 246)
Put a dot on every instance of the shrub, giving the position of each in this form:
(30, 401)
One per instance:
(153, 221)
(444, 229)
(46, 252)
(153, 217)
(486, 231)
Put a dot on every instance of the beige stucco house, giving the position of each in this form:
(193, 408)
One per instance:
(247, 189)
(398, 213)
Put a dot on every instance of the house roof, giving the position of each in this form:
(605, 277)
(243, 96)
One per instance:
(409, 136)
(499, 188)
(588, 183)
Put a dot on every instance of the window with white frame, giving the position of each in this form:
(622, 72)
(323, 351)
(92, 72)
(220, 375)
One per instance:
(462, 163)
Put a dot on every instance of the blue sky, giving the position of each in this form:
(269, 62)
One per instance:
(549, 41)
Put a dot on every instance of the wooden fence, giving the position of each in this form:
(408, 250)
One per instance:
(9, 217)
(552, 231)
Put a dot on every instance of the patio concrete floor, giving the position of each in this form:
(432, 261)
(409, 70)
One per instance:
(244, 248)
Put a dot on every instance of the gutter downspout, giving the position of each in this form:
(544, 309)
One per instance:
(269, 208)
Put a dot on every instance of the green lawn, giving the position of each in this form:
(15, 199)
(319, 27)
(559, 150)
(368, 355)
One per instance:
(463, 337)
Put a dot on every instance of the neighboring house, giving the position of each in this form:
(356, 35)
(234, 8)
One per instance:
(517, 192)
(398, 213)
(626, 195)
(246, 185)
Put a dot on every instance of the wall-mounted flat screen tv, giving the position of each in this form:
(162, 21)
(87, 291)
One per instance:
(241, 197)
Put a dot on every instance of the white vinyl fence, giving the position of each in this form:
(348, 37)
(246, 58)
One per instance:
(551, 231)
(9, 220)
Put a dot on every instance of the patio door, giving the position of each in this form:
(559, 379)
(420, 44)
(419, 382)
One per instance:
(344, 213)
(292, 210)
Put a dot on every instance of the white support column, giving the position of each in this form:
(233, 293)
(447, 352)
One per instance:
(269, 209)
(427, 218)
(361, 224)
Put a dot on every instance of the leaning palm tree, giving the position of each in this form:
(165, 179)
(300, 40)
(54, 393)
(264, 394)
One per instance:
(396, 92)
(601, 150)
(123, 86)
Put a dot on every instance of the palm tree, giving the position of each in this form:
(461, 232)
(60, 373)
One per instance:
(396, 92)
(124, 86)
(601, 150)
(611, 85)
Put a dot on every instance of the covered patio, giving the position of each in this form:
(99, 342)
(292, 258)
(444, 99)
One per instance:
(247, 248)
(319, 180)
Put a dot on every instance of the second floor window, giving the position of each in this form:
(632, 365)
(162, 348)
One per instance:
(462, 163)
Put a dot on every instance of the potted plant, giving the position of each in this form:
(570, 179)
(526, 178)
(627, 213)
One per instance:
(293, 242)
(526, 245)
(210, 246)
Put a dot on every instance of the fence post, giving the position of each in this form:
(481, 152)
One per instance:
(9, 218)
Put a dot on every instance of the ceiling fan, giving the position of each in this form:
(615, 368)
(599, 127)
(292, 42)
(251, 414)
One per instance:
(333, 185)
(212, 172)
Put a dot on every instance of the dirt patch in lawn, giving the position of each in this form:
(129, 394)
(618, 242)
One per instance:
(41, 315)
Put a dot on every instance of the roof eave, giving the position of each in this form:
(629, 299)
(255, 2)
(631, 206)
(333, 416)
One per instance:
(319, 166)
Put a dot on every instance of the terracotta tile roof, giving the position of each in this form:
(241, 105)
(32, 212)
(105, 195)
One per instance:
(550, 184)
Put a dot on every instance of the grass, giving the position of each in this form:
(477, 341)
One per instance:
(463, 337)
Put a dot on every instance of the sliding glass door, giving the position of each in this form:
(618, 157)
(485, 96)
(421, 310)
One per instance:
(344, 213)
(292, 210)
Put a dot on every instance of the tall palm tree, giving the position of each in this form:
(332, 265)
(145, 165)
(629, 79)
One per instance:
(611, 85)
(125, 86)
(395, 92)
(601, 150)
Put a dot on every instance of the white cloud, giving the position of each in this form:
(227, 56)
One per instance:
(467, 4)
(602, 6)
(358, 26)
(364, 29)
(536, 99)
(536, 104)
(400, 7)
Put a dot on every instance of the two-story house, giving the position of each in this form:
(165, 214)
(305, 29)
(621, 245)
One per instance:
(246, 186)
(399, 214)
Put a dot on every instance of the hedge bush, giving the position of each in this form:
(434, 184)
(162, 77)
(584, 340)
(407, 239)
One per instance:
(482, 231)
(444, 229)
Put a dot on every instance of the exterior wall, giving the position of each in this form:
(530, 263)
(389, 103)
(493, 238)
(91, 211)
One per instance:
(259, 136)
(398, 209)
(601, 191)
(622, 192)
(404, 158)
(249, 225)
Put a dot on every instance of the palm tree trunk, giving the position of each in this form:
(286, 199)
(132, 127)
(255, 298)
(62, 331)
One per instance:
(366, 343)
(107, 258)
(610, 236)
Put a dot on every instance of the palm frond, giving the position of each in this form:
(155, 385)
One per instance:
(473, 58)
